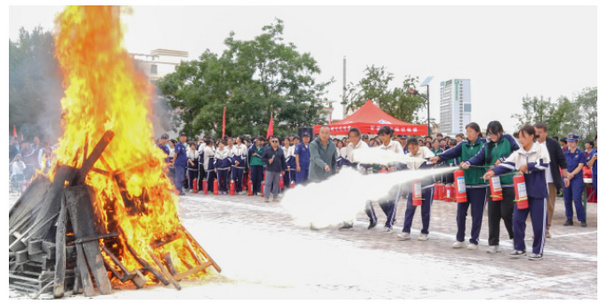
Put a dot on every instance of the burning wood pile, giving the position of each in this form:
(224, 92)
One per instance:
(106, 215)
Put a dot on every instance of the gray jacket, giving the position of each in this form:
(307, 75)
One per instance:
(319, 157)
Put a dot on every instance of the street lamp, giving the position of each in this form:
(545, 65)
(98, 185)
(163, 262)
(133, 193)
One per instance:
(415, 92)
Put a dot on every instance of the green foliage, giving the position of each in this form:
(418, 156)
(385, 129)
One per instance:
(376, 86)
(34, 85)
(563, 116)
(252, 79)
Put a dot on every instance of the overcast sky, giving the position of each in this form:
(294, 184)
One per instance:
(508, 52)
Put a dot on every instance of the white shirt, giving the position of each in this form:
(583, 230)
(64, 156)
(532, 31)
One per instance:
(239, 150)
(350, 149)
(548, 172)
(393, 146)
(423, 152)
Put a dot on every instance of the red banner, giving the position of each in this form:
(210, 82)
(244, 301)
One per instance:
(270, 129)
(223, 135)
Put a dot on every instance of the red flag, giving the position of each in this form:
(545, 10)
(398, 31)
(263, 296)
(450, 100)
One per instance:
(270, 129)
(14, 131)
(223, 135)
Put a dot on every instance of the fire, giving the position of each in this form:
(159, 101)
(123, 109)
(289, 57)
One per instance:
(103, 91)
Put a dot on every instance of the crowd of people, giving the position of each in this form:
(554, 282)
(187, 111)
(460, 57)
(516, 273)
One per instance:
(549, 166)
(26, 157)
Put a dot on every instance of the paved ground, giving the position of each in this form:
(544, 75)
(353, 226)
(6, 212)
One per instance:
(264, 255)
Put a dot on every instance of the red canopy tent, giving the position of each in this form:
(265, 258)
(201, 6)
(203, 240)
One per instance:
(369, 119)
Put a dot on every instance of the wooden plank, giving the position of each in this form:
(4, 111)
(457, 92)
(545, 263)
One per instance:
(164, 270)
(84, 273)
(204, 253)
(96, 265)
(60, 265)
(34, 247)
(126, 275)
(192, 271)
(89, 162)
(170, 265)
(139, 280)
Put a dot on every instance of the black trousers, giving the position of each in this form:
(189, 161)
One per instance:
(498, 210)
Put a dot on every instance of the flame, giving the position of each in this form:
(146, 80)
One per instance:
(103, 91)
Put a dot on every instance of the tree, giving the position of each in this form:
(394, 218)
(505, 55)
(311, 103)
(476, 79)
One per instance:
(35, 87)
(563, 116)
(376, 86)
(253, 79)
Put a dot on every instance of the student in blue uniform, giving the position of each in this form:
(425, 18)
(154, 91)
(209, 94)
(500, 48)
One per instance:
(162, 144)
(389, 206)
(531, 160)
(222, 166)
(574, 190)
(238, 162)
(302, 154)
(426, 192)
(476, 187)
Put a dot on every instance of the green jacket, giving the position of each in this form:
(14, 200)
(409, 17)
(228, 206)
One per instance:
(319, 157)
(466, 150)
(493, 151)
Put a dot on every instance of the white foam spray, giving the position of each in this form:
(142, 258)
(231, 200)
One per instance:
(341, 197)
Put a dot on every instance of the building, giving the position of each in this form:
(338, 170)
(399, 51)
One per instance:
(159, 62)
(455, 106)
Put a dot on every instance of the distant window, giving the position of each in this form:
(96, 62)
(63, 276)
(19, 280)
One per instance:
(153, 69)
(467, 107)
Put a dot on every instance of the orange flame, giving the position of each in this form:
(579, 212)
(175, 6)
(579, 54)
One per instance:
(103, 91)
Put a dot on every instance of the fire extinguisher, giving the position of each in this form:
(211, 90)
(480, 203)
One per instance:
(520, 191)
(262, 189)
(205, 186)
(436, 192)
(448, 193)
(231, 188)
(195, 185)
(280, 181)
(495, 188)
(441, 192)
(250, 188)
(383, 170)
(216, 187)
(460, 190)
(292, 184)
(416, 193)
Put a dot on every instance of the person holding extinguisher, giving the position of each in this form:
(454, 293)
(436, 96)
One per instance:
(426, 195)
(500, 206)
(389, 206)
(475, 186)
(574, 190)
(531, 161)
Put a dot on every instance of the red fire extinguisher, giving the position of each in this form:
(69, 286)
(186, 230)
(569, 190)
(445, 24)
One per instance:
(292, 184)
(216, 187)
(250, 188)
(416, 193)
(436, 192)
(441, 192)
(383, 170)
(495, 188)
(280, 181)
(205, 186)
(231, 187)
(195, 184)
(262, 189)
(448, 193)
(520, 191)
(460, 190)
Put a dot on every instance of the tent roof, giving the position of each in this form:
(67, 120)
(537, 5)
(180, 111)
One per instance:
(369, 119)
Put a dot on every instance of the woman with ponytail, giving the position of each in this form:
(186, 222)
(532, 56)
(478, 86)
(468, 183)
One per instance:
(493, 154)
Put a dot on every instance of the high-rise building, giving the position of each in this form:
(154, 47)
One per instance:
(455, 106)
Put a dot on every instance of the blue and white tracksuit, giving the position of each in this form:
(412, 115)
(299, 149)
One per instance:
(222, 164)
(426, 193)
(238, 154)
(537, 160)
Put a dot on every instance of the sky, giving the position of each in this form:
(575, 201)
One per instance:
(507, 51)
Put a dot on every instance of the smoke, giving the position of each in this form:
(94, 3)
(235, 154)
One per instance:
(345, 194)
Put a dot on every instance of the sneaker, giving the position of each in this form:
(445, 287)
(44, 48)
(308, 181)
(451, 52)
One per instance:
(266, 200)
(423, 237)
(275, 200)
(472, 246)
(535, 257)
(517, 254)
(346, 226)
(389, 229)
(458, 245)
(372, 224)
(313, 227)
(404, 236)
(548, 235)
(493, 249)
(182, 193)
(568, 223)
(583, 224)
